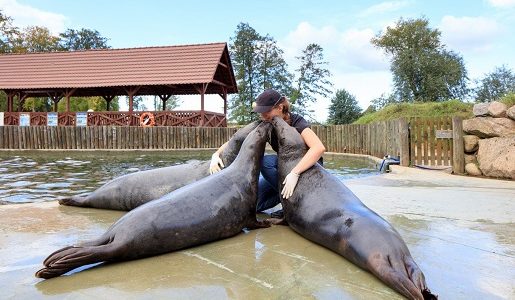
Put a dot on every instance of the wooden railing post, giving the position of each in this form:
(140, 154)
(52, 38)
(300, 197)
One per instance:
(458, 149)
(404, 142)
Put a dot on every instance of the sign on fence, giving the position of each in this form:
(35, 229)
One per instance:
(51, 119)
(81, 119)
(444, 134)
(1, 118)
(24, 119)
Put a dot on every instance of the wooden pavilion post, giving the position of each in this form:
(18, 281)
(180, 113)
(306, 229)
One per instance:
(10, 100)
(202, 90)
(164, 98)
(131, 92)
(108, 99)
(55, 98)
(21, 100)
(68, 93)
(224, 96)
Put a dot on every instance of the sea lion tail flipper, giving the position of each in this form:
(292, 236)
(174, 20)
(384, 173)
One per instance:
(69, 258)
(394, 276)
(418, 278)
(74, 201)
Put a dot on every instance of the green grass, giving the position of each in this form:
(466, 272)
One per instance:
(509, 99)
(426, 109)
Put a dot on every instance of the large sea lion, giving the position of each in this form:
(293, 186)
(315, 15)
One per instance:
(132, 190)
(325, 211)
(213, 208)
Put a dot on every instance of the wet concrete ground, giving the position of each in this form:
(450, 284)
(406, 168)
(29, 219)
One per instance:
(460, 230)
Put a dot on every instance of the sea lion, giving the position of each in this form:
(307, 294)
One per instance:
(325, 211)
(132, 190)
(215, 207)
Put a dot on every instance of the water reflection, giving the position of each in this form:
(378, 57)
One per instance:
(45, 176)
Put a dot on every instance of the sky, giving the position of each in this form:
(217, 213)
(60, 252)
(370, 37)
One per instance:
(481, 31)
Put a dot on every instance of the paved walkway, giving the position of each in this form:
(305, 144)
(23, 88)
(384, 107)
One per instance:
(460, 230)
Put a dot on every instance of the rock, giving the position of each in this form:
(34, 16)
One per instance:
(511, 112)
(471, 143)
(473, 169)
(496, 157)
(497, 109)
(487, 127)
(470, 158)
(480, 109)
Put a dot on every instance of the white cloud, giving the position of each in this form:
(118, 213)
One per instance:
(501, 3)
(475, 34)
(383, 7)
(25, 15)
(355, 64)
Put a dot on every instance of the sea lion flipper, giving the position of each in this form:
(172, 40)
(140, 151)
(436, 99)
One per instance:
(69, 258)
(256, 224)
(74, 201)
(277, 221)
(395, 275)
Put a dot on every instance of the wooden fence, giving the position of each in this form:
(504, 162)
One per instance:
(428, 142)
(377, 139)
(112, 137)
(431, 141)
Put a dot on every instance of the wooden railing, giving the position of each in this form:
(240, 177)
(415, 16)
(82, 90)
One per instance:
(125, 118)
(428, 142)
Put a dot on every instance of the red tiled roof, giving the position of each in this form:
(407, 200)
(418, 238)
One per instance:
(151, 66)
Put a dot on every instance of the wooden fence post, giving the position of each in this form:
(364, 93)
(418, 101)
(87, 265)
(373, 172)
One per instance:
(458, 149)
(404, 142)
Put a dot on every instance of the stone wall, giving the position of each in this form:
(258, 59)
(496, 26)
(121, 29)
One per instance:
(489, 141)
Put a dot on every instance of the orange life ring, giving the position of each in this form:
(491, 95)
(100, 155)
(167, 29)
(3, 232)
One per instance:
(146, 119)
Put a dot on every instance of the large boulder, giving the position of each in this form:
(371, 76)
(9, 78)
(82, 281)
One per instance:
(487, 127)
(480, 109)
(511, 112)
(496, 157)
(473, 169)
(497, 109)
(471, 143)
(470, 158)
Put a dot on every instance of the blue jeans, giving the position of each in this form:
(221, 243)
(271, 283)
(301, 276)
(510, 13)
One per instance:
(268, 184)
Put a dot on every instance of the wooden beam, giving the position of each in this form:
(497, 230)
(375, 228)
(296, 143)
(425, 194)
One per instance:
(68, 93)
(164, 98)
(131, 91)
(219, 82)
(108, 99)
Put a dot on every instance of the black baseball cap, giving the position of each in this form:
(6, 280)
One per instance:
(266, 101)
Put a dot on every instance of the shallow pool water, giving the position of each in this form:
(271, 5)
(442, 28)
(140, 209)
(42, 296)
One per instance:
(39, 176)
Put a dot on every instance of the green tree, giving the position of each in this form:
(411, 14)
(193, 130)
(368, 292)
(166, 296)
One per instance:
(382, 101)
(495, 85)
(312, 80)
(83, 39)
(172, 102)
(273, 68)
(423, 70)
(344, 108)
(244, 51)
(96, 103)
(258, 64)
(137, 103)
(36, 39)
(8, 33)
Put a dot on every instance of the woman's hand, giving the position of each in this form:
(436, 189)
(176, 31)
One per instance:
(216, 163)
(290, 182)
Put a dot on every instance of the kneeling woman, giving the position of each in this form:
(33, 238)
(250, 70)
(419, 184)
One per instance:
(270, 104)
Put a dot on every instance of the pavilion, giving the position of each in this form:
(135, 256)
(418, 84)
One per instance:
(159, 71)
